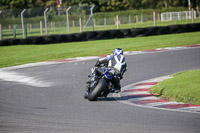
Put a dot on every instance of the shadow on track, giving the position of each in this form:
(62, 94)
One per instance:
(122, 98)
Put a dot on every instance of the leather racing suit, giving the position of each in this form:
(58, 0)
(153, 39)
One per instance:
(117, 64)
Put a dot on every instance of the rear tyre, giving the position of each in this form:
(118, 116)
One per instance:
(94, 93)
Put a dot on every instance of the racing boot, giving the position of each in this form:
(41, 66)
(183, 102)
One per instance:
(117, 90)
(117, 86)
(105, 94)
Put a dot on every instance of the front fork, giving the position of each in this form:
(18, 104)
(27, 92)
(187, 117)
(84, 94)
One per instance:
(91, 82)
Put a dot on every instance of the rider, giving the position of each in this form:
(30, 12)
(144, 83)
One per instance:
(116, 62)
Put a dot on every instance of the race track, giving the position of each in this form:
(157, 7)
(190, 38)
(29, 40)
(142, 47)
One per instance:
(49, 98)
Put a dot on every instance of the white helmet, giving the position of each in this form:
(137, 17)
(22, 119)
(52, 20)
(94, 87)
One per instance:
(118, 51)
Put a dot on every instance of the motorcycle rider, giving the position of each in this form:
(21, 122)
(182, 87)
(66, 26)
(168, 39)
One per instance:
(116, 62)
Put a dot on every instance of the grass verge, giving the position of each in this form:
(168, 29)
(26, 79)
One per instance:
(23, 54)
(183, 87)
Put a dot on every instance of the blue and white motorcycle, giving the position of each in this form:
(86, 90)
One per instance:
(99, 85)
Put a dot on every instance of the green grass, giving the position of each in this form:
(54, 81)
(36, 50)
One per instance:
(183, 87)
(22, 54)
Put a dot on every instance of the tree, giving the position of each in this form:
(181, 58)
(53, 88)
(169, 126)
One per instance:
(113, 5)
(100, 5)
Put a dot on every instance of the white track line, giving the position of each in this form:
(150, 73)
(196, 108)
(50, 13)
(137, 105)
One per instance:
(134, 93)
(144, 98)
(15, 77)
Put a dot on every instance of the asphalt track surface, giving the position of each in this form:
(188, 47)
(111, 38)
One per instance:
(60, 107)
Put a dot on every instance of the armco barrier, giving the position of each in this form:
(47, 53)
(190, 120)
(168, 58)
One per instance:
(102, 35)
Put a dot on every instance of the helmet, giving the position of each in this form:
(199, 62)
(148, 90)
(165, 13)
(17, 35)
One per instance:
(118, 51)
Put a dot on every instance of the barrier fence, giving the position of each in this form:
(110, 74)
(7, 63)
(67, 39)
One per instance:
(170, 16)
(22, 23)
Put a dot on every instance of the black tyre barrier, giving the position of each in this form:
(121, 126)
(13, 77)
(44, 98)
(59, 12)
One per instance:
(80, 36)
(14, 41)
(59, 38)
(116, 34)
(26, 41)
(152, 31)
(164, 30)
(36, 40)
(52, 39)
(177, 29)
(195, 27)
(187, 27)
(5, 42)
(9, 42)
(126, 32)
(66, 38)
(102, 35)
(63, 38)
(90, 35)
(138, 32)
(72, 38)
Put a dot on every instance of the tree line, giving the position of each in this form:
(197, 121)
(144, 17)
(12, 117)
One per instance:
(100, 5)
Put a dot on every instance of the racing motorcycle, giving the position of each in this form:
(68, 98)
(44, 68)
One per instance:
(99, 85)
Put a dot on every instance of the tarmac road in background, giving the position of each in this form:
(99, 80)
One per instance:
(60, 107)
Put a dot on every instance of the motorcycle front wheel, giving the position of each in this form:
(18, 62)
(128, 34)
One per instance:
(94, 93)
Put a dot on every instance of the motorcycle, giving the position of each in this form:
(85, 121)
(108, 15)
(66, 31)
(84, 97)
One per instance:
(99, 85)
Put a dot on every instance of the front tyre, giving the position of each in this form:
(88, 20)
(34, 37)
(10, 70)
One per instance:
(86, 95)
(94, 93)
